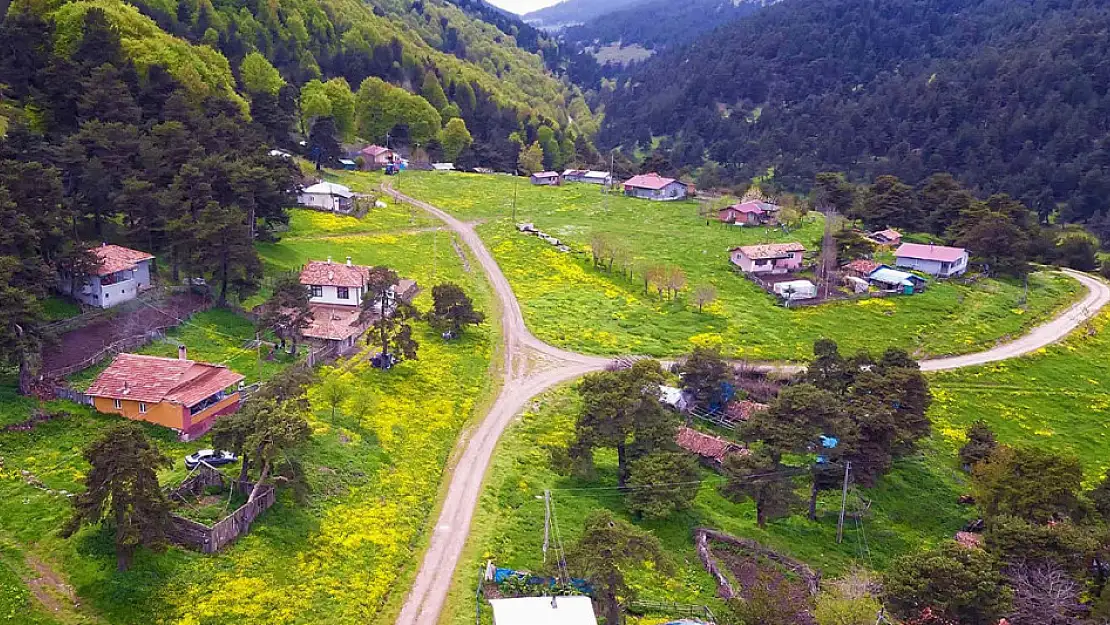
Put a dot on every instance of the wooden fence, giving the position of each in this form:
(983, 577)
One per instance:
(124, 344)
(77, 397)
(702, 536)
(210, 539)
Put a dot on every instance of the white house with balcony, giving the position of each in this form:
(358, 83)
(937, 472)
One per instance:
(119, 275)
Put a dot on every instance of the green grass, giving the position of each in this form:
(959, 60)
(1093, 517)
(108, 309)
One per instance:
(374, 468)
(1055, 398)
(56, 308)
(569, 303)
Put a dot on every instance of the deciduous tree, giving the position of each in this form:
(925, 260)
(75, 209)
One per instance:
(531, 159)
(455, 138)
(1031, 483)
(954, 582)
(662, 483)
(704, 294)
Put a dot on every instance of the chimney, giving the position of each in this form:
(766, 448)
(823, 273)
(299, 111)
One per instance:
(348, 261)
(182, 353)
(126, 387)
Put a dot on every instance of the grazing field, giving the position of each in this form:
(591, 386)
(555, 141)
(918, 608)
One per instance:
(1063, 391)
(569, 303)
(374, 467)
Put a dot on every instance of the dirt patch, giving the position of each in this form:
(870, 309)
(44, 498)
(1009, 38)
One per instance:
(49, 588)
(755, 574)
(76, 346)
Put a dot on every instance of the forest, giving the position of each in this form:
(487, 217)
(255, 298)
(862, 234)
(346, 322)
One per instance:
(640, 22)
(1008, 97)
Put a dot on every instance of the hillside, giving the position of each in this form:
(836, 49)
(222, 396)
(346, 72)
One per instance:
(641, 23)
(1006, 96)
(570, 12)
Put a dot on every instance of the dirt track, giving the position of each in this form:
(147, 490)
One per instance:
(532, 366)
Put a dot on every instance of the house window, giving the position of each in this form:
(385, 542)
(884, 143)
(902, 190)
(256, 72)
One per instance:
(117, 404)
(342, 292)
(142, 407)
(317, 290)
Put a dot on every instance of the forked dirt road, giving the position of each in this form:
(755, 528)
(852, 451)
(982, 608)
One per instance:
(532, 366)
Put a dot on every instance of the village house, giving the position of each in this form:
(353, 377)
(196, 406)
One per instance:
(588, 176)
(655, 187)
(177, 393)
(336, 291)
(120, 275)
(377, 157)
(768, 257)
(748, 213)
(861, 267)
(327, 196)
(742, 410)
(936, 260)
(546, 178)
(886, 238)
(555, 610)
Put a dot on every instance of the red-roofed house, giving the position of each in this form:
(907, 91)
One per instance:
(178, 393)
(768, 257)
(120, 275)
(888, 237)
(861, 267)
(936, 260)
(655, 187)
(335, 298)
(750, 213)
(742, 410)
(376, 157)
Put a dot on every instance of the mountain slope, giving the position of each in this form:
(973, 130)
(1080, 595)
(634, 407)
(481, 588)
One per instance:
(641, 23)
(570, 12)
(1008, 96)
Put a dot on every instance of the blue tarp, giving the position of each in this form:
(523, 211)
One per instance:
(500, 575)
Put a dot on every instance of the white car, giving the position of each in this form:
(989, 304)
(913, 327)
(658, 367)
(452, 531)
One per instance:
(210, 457)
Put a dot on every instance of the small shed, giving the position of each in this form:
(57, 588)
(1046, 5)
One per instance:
(543, 611)
(796, 290)
(891, 279)
(674, 398)
(546, 178)
(348, 164)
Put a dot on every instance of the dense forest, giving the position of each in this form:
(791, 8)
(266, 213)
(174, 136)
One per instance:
(1007, 96)
(574, 12)
(641, 23)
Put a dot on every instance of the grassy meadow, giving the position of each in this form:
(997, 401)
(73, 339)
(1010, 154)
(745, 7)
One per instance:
(1063, 391)
(374, 466)
(569, 303)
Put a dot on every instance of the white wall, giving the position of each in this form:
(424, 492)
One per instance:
(331, 296)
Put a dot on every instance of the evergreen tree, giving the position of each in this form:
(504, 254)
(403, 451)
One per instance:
(607, 548)
(708, 376)
(662, 483)
(122, 490)
(452, 308)
(1033, 484)
(758, 476)
(323, 141)
(545, 136)
(979, 446)
(953, 582)
(287, 311)
(621, 410)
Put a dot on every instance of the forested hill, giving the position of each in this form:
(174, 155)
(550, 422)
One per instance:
(659, 24)
(1006, 95)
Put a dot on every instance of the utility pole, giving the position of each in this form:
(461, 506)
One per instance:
(435, 251)
(843, 504)
(516, 183)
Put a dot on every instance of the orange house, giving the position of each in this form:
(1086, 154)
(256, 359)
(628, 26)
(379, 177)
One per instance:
(177, 393)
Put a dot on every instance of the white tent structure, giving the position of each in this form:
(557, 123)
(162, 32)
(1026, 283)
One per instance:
(328, 196)
(543, 611)
(796, 289)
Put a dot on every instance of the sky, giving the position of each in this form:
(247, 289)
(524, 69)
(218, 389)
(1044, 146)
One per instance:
(521, 7)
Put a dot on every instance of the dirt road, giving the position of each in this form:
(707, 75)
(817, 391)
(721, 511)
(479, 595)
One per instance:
(532, 366)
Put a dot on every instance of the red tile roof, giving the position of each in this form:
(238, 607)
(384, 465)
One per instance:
(648, 181)
(862, 266)
(752, 206)
(113, 258)
(153, 379)
(374, 150)
(969, 540)
(939, 253)
(334, 323)
(327, 273)
(770, 250)
(743, 409)
(704, 445)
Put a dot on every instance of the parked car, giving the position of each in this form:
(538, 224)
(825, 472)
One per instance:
(211, 457)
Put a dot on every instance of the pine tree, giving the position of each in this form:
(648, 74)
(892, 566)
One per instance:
(758, 476)
(452, 308)
(122, 490)
(287, 311)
